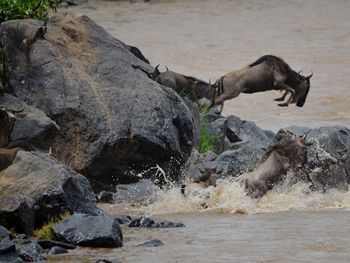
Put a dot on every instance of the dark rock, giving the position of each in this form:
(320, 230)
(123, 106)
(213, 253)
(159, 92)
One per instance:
(237, 130)
(7, 246)
(4, 232)
(57, 250)
(122, 219)
(47, 244)
(148, 222)
(114, 121)
(31, 252)
(17, 210)
(152, 243)
(105, 197)
(91, 231)
(107, 261)
(31, 125)
(10, 258)
(143, 191)
(53, 189)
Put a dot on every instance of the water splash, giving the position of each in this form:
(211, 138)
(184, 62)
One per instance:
(229, 197)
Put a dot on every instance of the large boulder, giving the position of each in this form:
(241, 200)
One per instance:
(36, 187)
(114, 121)
(90, 231)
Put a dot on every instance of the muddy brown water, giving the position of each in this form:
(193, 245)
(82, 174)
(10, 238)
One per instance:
(207, 39)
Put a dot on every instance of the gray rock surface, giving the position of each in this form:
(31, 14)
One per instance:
(90, 231)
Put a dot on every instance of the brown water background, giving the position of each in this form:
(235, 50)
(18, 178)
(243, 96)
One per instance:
(206, 39)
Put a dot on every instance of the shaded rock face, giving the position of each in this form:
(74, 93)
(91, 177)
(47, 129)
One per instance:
(31, 252)
(114, 121)
(36, 187)
(91, 231)
(31, 124)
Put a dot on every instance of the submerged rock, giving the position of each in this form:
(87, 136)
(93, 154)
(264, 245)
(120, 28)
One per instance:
(152, 243)
(107, 261)
(114, 121)
(90, 231)
(148, 222)
(57, 250)
(47, 244)
(53, 188)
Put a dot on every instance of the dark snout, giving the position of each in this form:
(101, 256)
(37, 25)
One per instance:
(301, 100)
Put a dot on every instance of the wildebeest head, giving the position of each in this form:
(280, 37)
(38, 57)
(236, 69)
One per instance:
(203, 92)
(295, 150)
(7, 120)
(305, 86)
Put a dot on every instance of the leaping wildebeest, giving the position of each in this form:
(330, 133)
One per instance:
(267, 73)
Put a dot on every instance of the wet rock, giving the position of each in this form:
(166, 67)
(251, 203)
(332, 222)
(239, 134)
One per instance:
(148, 222)
(91, 231)
(107, 261)
(4, 232)
(152, 243)
(57, 250)
(53, 189)
(47, 244)
(31, 125)
(114, 121)
(143, 191)
(122, 219)
(31, 252)
(105, 197)
(7, 246)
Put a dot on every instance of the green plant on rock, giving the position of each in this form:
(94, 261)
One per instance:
(208, 141)
(45, 232)
(20, 9)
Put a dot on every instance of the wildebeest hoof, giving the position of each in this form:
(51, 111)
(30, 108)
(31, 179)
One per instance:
(278, 99)
(283, 104)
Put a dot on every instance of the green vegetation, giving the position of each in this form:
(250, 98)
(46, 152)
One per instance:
(45, 232)
(208, 141)
(19, 9)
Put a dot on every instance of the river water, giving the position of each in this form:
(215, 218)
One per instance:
(206, 39)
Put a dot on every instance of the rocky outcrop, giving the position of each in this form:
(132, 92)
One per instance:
(114, 121)
(90, 231)
(36, 187)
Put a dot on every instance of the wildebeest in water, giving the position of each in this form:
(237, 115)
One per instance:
(266, 73)
(282, 156)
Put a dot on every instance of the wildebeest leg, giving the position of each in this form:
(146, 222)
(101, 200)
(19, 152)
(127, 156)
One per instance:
(221, 98)
(288, 101)
(283, 96)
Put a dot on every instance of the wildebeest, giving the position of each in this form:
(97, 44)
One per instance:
(282, 156)
(267, 73)
(208, 178)
(196, 90)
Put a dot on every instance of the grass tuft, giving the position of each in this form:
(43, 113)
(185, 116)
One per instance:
(45, 232)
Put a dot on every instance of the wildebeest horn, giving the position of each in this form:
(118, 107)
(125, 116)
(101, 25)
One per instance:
(308, 77)
(300, 71)
(156, 67)
(166, 68)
